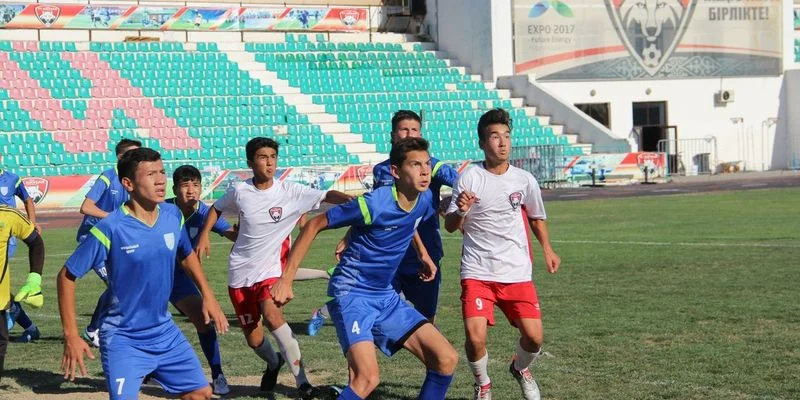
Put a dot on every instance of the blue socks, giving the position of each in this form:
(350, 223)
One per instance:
(348, 394)
(435, 386)
(210, 346)
(22, 319)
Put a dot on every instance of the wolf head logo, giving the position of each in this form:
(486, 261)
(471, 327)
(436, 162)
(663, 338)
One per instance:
(515, 199)
(275, 213)
(47, 15)
(651, 29)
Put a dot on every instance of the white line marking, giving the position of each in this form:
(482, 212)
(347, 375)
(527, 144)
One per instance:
(24, 254)
(574, 195)
(749, 185)
(666, 190)
(685, 244)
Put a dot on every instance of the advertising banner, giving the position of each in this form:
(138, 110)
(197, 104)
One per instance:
(76, 16)
(647, 39)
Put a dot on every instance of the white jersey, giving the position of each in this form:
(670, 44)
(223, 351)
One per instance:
(266, 219)
(497, 247)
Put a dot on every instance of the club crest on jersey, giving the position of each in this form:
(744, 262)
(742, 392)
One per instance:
(169, 240)
(47, 15)
(4, 190)
(275, 213)
(515, 199)
(193, 232)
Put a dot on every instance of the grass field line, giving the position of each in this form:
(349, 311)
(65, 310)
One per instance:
(687, 244)
(24, 255)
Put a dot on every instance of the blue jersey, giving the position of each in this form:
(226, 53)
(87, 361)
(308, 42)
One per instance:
(194, 224)
(107, 194)
(10, 186)
(441, 175)
(380, 235)
(140, 261)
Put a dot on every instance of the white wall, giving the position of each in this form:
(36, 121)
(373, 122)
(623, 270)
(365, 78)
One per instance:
(691, 107)
(478, 34)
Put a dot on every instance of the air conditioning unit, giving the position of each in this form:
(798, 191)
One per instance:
(724, 96)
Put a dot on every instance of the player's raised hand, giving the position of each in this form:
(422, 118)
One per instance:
(281, 292)
(203, 246)
(72, 360)
(428, 269)
(465, 201)
(212, 311)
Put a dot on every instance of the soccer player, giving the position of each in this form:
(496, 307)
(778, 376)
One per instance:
(366, 310)
(10, 187)
(14, 224)
(187, 187)
(138, 243)
(268, 210)
(423, 295)
(492, 203)
(105, 196)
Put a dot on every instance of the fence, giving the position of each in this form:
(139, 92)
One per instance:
(547, 163)
(690, 156)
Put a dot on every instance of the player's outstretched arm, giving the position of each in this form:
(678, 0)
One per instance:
(30, 209)
(551, 259)
(74, 346)
(31, 291)
(211, 308)
(88, 207)
(282, 289)
(203, 242)
(337, 197)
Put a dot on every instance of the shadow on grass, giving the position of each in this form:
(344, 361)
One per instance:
(47, 382)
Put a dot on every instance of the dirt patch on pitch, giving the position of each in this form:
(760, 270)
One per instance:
(241, 386)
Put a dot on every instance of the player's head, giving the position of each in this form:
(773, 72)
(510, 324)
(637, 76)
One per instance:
(262, 157)
(406, 123)
(186, 185)
(411, 164)
(494, 135)
(125, 145)
(142, 174)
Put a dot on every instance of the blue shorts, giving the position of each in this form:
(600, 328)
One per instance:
(383, 319)
(423, 295)
(182, 286)
(170, 358)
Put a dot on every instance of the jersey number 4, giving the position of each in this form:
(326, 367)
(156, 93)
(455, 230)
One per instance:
(355, 328)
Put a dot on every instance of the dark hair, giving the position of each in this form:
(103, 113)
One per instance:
(491, 117)
(124, 144)
(401, 147)
(186, 173)
(402, 115)
(126, 166)
(257, 143)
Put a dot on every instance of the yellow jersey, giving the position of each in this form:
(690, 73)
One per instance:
(12, 223)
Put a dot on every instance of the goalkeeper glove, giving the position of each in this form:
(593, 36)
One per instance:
(31, 292)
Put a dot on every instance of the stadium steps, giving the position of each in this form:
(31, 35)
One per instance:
(341, 133)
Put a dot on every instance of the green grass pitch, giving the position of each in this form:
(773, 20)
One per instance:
(674, 297)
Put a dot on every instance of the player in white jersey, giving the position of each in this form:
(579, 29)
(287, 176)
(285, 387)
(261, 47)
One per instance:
(492, 203)
(268, 210)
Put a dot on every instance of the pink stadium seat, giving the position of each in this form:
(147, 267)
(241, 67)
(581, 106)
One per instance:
(18, 46)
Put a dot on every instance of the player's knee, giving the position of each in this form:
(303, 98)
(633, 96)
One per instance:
(200, 394)
(475, 342)
(366, 382)
(532, 342)
(448, 361)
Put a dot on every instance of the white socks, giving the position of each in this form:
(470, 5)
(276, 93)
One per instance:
(291, 352)
(523, 359)
(267, 354)
(479, 370)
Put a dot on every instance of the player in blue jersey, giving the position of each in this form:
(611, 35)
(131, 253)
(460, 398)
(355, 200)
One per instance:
(187, 187)
(11, 187)
(105, 196)
(423, 295)
(139, 244)
(366, 310)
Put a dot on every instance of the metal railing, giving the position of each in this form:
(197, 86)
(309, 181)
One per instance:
(548, 163)
(690, 156)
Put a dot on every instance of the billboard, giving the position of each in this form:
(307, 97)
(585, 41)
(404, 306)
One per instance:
(77, 16)
(646, 39)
